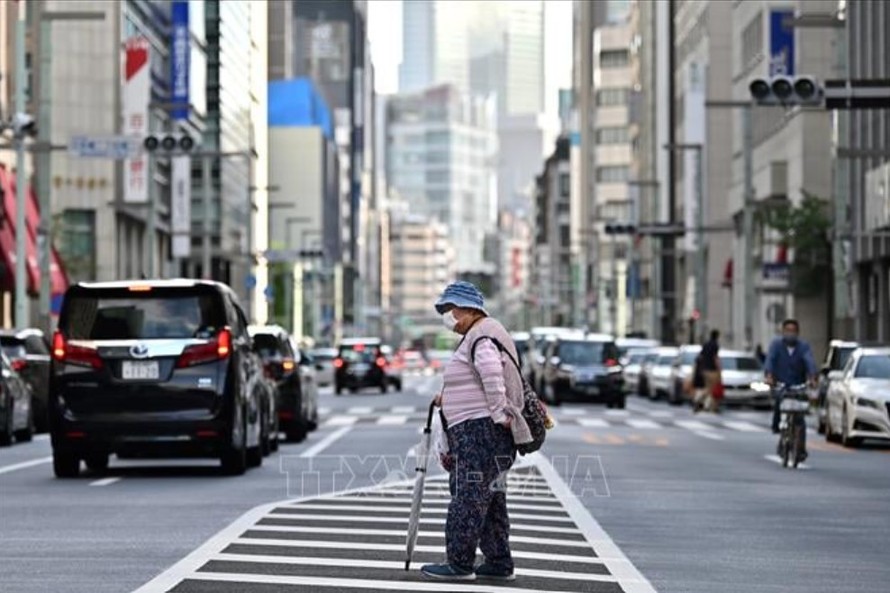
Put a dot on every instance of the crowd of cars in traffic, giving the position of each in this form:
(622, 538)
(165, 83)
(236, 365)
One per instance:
(171, 367)
(564, 363)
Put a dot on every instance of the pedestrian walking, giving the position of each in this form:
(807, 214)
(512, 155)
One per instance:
(709, 360)
(481, 402)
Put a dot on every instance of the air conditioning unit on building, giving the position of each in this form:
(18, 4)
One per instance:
(877, 198)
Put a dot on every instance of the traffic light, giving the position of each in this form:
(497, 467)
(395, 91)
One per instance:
(169, 143)
(622, 228)
(786, 90)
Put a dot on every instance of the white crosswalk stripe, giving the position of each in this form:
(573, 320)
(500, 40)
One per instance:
(392, 420)
(743, 426)
(642, 423)
(594, 422)
(356, 540)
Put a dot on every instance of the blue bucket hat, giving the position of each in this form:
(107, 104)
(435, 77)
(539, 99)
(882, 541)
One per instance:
(461, 294)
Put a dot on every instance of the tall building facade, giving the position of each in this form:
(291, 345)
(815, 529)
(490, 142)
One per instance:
(441, 148)
(435, 44)
(791, 159)
(703, 53)
(867, 35)
(421, 264)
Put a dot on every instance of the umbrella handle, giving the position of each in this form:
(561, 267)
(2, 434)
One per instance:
(429, 418)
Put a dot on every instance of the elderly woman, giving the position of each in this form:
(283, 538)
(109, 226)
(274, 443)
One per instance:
(481, 401)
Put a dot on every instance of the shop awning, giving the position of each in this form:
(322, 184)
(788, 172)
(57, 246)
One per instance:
(8, 231)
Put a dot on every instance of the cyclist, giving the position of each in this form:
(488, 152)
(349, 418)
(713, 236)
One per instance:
(789, 361)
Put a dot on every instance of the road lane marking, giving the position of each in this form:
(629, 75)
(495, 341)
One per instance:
(709, 435)
(743, 426)
(324, 411)
(392, 420)
(642, 423)
(614, 439)
(594, 422)
(618, 413)
(403, 409)
(366, 519)
(341, 420)
(24, 465)
(573, 411)
(693, 425)
(423, 521)
(778, 460)
(41, 437)
(360, 410)
(105, 481)
(326, 442)
(661, 414)
(390, 564)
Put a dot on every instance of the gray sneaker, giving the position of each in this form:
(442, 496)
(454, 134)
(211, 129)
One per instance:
(447, 572)
(493, 573)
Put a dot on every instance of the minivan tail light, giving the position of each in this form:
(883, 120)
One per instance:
(381, 362)
(76, 355)
(19, 364)
(218, 348)
(338, 363)
(611, 362)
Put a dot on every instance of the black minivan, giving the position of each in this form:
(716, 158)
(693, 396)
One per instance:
(154, 368)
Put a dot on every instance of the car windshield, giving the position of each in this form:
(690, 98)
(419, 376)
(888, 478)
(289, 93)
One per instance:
(322, 355)
(842, 356)
(688, 357)
(740, 363)
(667, 360)
(636, 358)
(143, 316)
(579, 353)
(13, 348)
(359, 353)
(268, 346)
(874, 367)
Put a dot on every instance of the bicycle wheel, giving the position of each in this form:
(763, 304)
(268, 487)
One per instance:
(796, 445)
(786, 445)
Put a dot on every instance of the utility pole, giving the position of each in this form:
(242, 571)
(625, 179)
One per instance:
(21, 254)
(748, 303)
(206, 186)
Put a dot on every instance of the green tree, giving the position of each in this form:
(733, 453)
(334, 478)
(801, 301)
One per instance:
(804, 228)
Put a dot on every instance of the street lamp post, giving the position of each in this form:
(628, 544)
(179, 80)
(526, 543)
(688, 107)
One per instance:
(655, 281)
(21, 274)
(701, 276)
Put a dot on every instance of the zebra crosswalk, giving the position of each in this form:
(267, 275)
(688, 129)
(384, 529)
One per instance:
(705, 425)
(355, 542)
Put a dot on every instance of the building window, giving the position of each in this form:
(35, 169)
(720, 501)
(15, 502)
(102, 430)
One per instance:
(438, 177)
(616, 135)
(565, 184)
(615, 174)
(614, 58)
(438, 137)
(609, 97)
(752, 41)
(78, 244)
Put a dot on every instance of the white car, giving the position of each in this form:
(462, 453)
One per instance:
(743, 382)
(324, 365)
(660, 375)
(633, 369)
(682, 372)
(858, 402)
(628, 345)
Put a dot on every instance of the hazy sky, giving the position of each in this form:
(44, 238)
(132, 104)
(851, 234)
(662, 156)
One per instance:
(385, 31)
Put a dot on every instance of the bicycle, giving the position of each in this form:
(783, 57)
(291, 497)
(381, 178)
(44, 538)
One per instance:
(794, 403)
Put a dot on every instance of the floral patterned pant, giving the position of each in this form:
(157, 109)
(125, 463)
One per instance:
(477, 515)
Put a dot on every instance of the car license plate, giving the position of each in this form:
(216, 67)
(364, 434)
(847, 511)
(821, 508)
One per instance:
(361, 368)
(593, 390)
(140, 371)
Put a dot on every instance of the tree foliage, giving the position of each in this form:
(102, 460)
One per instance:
(805, 229)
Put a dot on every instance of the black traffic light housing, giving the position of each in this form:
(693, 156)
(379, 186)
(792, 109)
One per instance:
(786, 90)
(621, 228)
(169, 143)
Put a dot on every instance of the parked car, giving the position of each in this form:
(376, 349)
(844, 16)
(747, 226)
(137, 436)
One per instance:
(682, 373)
(539, 342)
(361, 362)
(438, 359)
(155, 368)
(644, 387)
(627, 345)
(324, 365)
(743, 384)
(633, 369)
(858, 402)
(836, 358)
(660, 374)
(392, 370)
(28, 352)
(296, 396)
(16, 407)
(585, 367)
(522, 342)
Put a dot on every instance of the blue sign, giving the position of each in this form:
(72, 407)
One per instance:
(180, 48)
(781, 43)
(250, 282)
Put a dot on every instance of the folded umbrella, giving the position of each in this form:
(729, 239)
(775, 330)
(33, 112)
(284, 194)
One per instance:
(422, 457)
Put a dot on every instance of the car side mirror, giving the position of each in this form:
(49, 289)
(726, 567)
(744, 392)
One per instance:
(835, 375)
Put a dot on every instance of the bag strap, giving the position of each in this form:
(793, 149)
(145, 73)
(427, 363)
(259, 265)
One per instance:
(499, 346)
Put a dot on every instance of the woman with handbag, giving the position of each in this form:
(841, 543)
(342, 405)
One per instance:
(482, 415)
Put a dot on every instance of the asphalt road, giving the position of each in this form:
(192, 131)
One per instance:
(648, 498)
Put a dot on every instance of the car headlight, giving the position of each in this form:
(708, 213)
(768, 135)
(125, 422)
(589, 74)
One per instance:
(759, 387)
(864, 402)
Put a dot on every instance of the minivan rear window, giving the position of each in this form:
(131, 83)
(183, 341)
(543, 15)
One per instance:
(13, 348)
(143, 316)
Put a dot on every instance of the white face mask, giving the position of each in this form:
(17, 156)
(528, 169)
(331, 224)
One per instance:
(449, 321)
